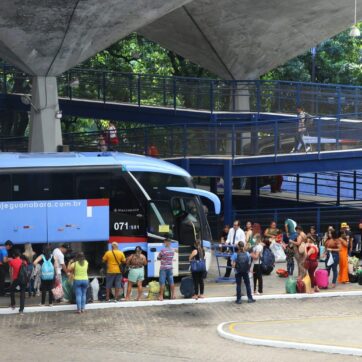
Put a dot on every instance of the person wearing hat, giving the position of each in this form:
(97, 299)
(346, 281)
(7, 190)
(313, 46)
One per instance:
(114, 259)
(58, 254)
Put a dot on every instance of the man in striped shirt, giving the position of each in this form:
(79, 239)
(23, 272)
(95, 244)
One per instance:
(166, 256)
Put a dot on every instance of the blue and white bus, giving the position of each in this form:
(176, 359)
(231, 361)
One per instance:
(93, 199)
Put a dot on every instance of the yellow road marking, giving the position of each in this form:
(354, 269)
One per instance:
(295, 321)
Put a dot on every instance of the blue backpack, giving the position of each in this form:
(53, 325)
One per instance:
(267, 260)
(242, 263)
(47, 269)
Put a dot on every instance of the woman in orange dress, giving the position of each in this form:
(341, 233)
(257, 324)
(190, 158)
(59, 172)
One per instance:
(343, 261)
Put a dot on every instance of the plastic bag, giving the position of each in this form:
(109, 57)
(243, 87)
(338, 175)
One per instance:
(307, 283)
(291, 285)
(154, 290)
(58, 290)
(330, 260)
(278, 252)
(95, 288)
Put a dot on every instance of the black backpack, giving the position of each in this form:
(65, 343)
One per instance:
(242, 263)
(23, 277)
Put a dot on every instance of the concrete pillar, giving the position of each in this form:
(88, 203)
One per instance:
(45, 132)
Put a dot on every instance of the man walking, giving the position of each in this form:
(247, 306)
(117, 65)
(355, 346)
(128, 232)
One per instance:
(235, 235)
(301, 131)
(241, 261)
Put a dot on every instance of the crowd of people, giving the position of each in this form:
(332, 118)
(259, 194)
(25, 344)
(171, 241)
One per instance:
(248, 252)
(301, 248)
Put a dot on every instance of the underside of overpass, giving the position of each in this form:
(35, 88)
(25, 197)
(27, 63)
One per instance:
(235, 39)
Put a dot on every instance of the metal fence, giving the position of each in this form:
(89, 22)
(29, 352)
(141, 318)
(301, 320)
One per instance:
(217, 139)
(210, 95)
(321, 217)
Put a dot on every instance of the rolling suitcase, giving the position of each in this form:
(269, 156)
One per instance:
(187, 287)
(321, 278)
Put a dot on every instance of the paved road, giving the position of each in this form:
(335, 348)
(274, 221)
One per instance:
(182, 333)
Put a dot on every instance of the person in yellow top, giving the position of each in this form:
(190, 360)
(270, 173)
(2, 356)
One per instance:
(80, 271)
(114, 258)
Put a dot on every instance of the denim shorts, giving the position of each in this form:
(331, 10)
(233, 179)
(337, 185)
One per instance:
(114, 281)
(136, 275)
(166, 274)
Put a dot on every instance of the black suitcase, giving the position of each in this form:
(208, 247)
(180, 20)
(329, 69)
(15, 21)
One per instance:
(187, 287)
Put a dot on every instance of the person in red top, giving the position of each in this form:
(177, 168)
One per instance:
(311, 263)
(15, 264)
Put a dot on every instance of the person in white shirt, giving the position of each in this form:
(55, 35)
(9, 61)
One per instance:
(58, 254)
(257, 271)
(235, 235)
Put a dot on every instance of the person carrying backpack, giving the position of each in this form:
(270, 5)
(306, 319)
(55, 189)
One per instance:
(19, 278)
(241, 261)
(47, 274)
(267, 258)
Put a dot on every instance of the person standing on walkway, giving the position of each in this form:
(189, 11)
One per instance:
(299, 251)
(15, 265)
(289, 253)
(343, 260)
(257, 271)
(311, 262)
(136, 263)
(80, 271)
(4, 258)
(49, 265)
(241, 261)
(235, 235)
(333, 245)
(166, 269)
(113, 140)
(30, 256)
(114, 259)
(198, 276)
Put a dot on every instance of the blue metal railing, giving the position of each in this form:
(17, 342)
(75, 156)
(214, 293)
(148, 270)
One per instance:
(211, 95)
(321, 216)
(228, 139)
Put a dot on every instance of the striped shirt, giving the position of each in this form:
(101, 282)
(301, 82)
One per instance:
(166, 257)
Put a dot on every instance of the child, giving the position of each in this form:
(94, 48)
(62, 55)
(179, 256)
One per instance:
(289, 252)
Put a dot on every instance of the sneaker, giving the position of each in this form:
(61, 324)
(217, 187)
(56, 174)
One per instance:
(21, 312)
(238, 301)
(251, 300)
(308, 149)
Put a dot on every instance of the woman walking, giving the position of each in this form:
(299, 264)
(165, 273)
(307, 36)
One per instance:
(47, 276)
(257, 271)
(198, 254)
(80, 270)
(136, 263)
(343, 260)
(333, 245)
(311, 263)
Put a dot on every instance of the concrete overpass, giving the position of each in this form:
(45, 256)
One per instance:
(235, 39)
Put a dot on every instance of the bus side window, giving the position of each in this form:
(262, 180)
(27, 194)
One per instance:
(5, 188)
(93, 186)
(31, 186)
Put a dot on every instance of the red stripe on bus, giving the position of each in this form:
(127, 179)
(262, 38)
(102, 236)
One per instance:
(97, 202)
(127, 239)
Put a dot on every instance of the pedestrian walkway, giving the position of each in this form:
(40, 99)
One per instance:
(319, 334)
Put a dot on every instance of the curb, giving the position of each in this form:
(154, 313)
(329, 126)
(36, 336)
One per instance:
(289, 345)
(156, 303)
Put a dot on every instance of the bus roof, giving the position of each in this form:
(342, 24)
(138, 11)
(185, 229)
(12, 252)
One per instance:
(131, 162)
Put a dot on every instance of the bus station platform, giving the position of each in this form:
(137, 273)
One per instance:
(318, 334)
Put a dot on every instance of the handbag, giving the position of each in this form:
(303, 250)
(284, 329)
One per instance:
(198, 265)
(330, 259)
